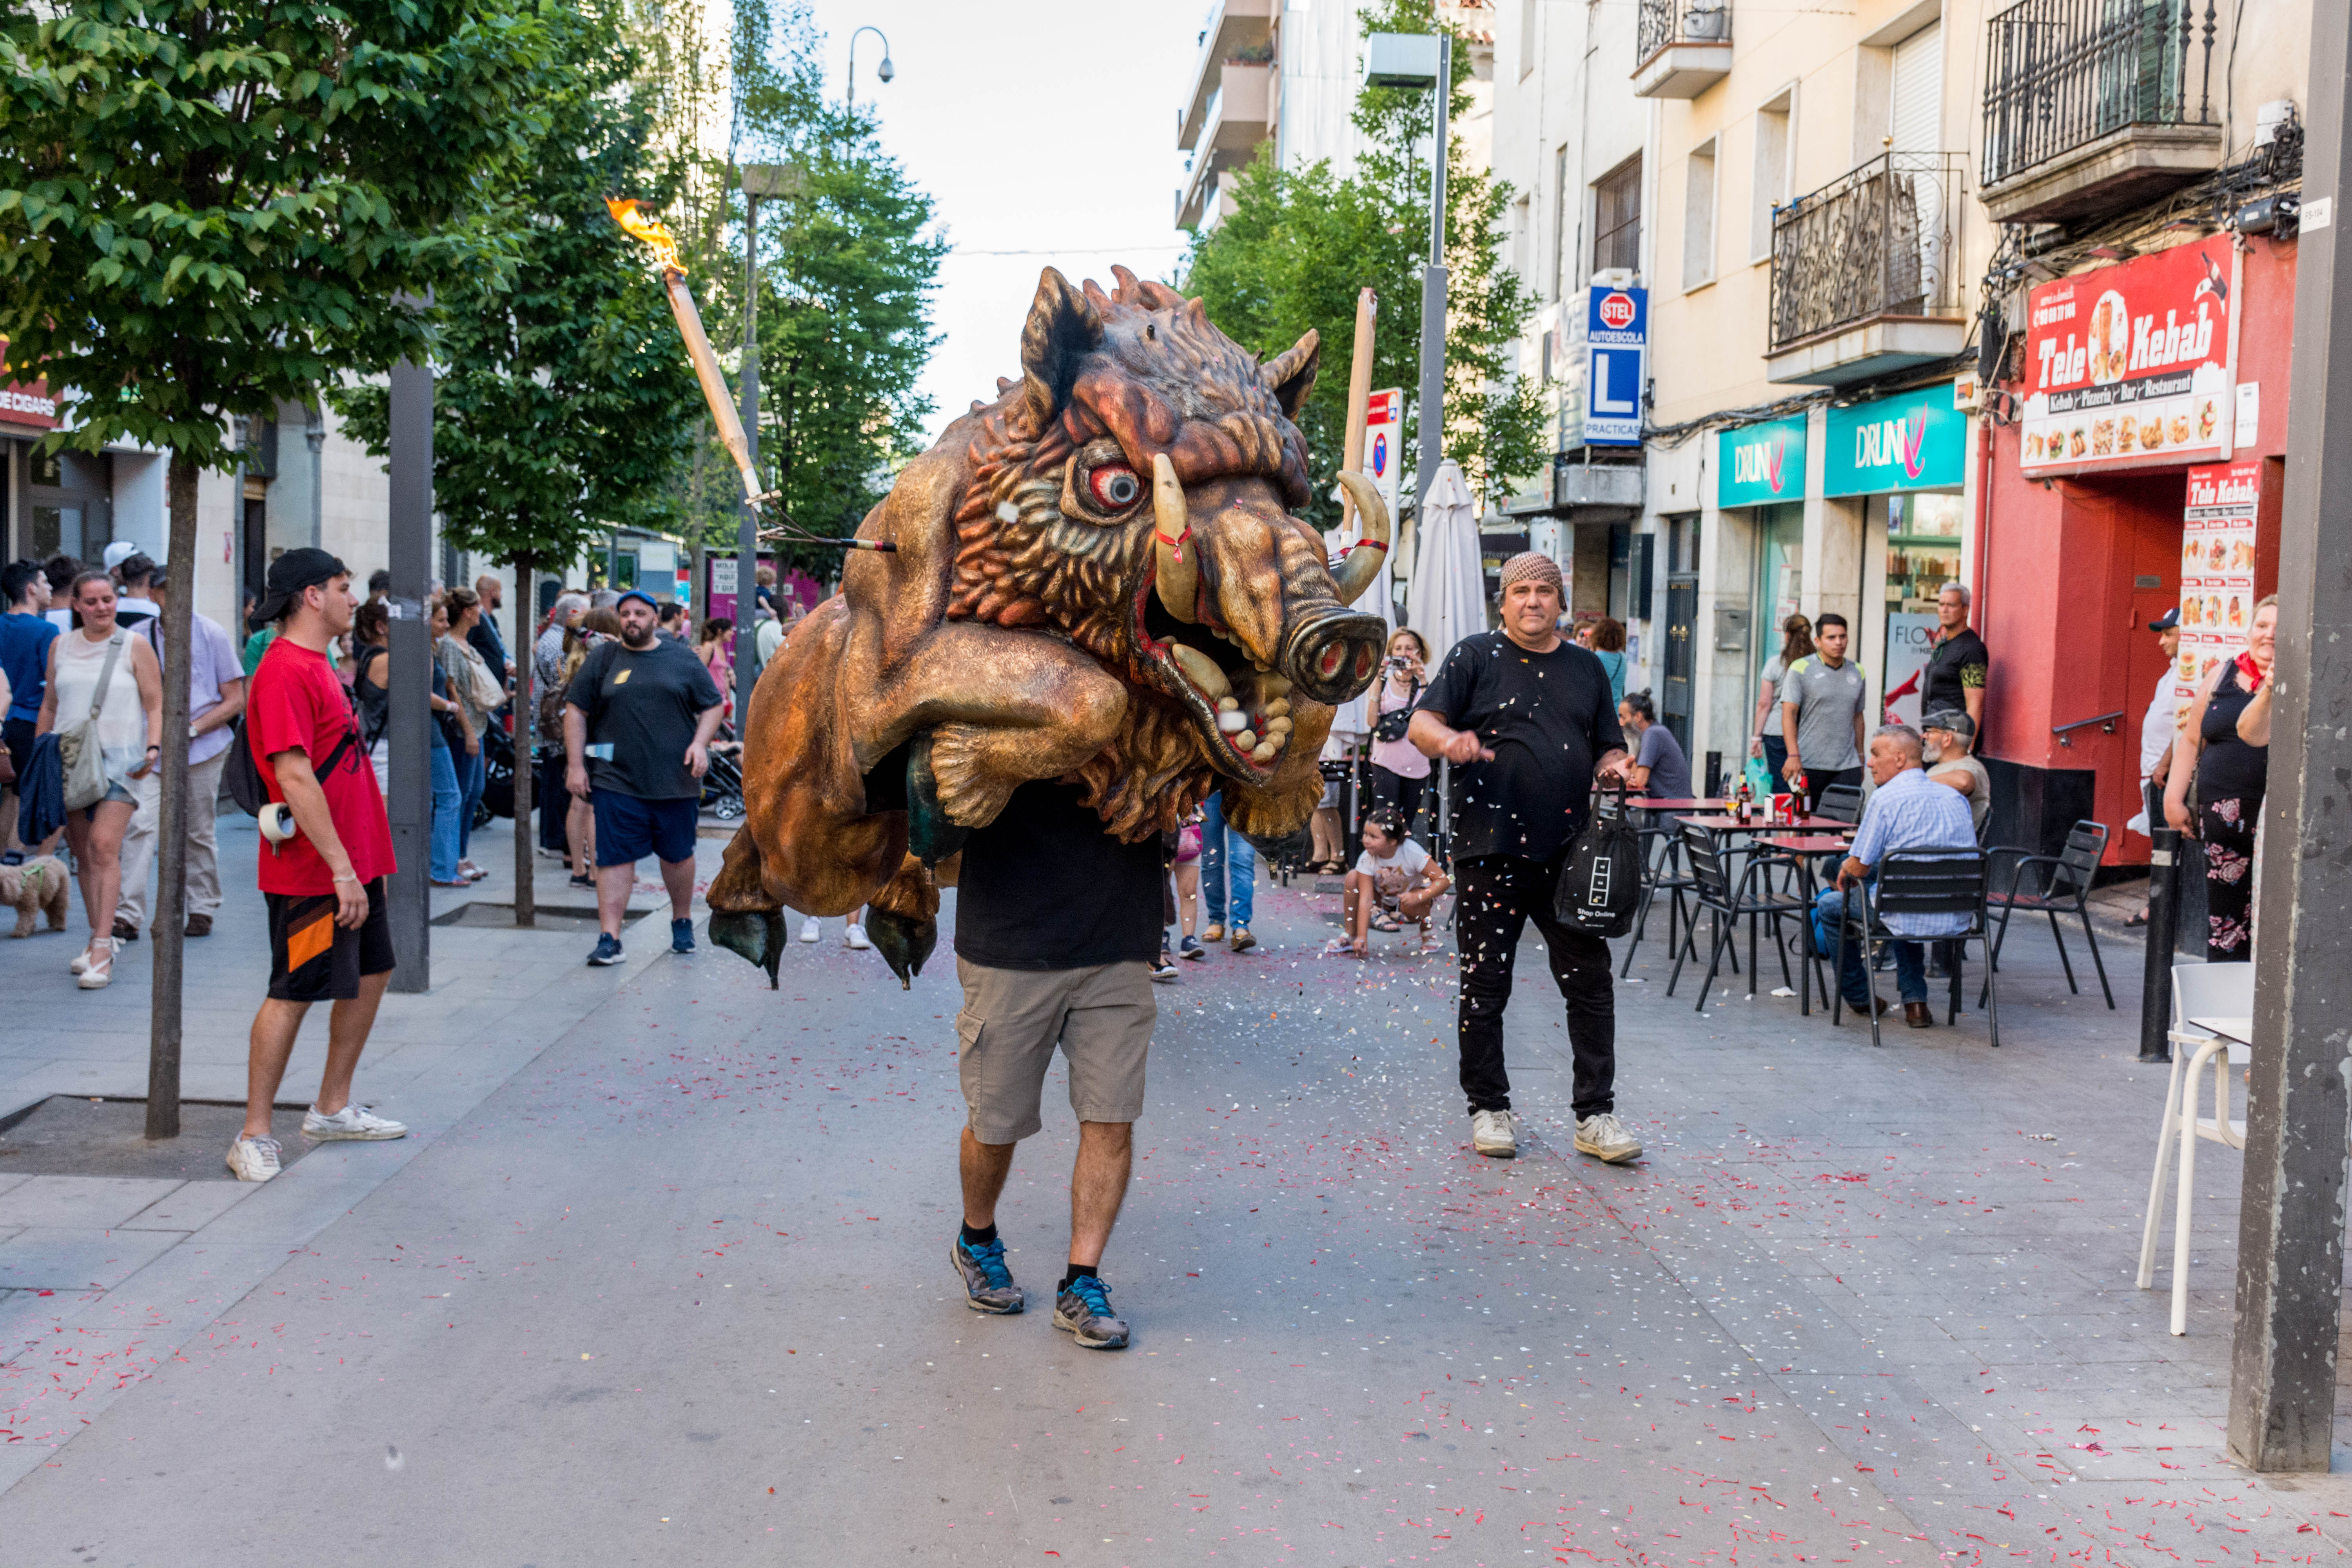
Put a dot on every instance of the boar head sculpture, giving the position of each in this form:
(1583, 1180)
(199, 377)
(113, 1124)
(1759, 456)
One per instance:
(1096, 578)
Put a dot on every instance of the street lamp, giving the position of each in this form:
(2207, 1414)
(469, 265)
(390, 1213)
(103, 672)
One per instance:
(1424, 62)
(885, 70)
(760, 181)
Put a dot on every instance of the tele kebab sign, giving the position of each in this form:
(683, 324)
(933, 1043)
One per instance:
(2129, 363)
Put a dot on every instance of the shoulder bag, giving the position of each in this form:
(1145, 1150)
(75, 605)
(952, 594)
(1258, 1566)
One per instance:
(1600, 884)
(78, 747)
(1395, 721)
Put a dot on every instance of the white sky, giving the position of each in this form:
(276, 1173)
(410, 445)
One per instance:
(1042, 125)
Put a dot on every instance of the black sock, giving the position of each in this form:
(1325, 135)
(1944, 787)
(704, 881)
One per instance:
(980, 1236)
(1077, 1271)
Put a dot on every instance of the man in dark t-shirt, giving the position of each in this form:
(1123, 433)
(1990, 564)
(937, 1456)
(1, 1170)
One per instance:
(1528, 720)
(1955, 677)
(637, 722)
(1056, 926)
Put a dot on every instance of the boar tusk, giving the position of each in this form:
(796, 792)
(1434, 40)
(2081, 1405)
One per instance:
(1178, 576)
(1201, 671)
(1363, 559)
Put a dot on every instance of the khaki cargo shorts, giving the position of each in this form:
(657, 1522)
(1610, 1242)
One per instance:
(1011, 1020)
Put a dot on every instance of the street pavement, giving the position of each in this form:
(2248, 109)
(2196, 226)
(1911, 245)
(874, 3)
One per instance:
(663, 1277)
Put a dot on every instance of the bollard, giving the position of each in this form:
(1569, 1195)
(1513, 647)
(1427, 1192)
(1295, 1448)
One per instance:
(2163, 919)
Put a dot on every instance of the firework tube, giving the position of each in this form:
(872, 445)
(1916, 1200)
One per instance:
(714, 386)
(1359, 395)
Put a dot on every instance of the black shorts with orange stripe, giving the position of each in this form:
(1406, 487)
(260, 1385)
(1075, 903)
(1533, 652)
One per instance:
(312, 958)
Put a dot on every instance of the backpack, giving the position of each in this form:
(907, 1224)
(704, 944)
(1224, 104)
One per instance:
(1600, 884)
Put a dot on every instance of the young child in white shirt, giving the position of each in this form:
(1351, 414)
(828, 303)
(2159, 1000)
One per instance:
(1393, 874)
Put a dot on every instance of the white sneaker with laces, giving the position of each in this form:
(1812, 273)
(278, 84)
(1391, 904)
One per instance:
(352, 1122)
(253, 1159)
(855, 937)
(1605, 1139)
(809, 930)
(1492, 1134)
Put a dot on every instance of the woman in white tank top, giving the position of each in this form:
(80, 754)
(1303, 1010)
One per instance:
(130, 727)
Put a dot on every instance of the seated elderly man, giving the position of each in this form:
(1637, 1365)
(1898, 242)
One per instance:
(1906, 811)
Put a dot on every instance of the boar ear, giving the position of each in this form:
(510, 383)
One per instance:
(1290, 375)
(1062, 329)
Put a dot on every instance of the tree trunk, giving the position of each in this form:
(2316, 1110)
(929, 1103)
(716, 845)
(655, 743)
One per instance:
(526, 757)
(168, 929)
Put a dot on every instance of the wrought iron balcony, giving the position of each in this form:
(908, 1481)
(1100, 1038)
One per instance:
(1865, 271)
(1681, 48)
(2095, 104)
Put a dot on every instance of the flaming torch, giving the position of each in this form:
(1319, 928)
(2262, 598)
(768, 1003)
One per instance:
(657, 234)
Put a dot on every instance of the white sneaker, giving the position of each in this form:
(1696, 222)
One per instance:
(856, 937)
(1492, 1134)
(1605, 1139)
(253, 1159)
(809, 929)
(352, 1122)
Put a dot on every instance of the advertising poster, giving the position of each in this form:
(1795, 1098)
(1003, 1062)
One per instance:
(2129, 362)
(2217, 569)
(1910, 638)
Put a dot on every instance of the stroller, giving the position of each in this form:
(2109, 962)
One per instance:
(722, 785)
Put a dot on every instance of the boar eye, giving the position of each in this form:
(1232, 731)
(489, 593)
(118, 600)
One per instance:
(1114, 487)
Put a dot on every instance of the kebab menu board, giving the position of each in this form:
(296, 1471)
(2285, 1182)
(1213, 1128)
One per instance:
(2216, 569)
(2129, 363)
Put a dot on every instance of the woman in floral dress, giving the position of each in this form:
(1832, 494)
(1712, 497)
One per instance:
(2231, 777)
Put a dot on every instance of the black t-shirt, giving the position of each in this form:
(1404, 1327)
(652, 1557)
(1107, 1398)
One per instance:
(644, 704)
(1956, 667)
(1044, 887)
(2229, 769)
(1547, 717)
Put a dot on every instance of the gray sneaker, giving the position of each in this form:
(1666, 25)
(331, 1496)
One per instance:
(1605, 1139)
(988, 1284)
(1085, 1310)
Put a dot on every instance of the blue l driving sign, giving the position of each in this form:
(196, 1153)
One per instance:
(1616, 351)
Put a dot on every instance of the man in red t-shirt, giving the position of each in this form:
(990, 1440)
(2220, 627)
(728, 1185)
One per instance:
(329, 940)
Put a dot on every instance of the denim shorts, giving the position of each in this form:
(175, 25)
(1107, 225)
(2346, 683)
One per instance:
(628, 829)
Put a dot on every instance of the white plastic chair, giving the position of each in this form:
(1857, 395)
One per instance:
(2211, 991)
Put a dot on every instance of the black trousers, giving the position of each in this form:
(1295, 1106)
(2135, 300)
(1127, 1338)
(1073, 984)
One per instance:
(1820, 779)
(1398, 791)
(553, 801)
(1496, 897)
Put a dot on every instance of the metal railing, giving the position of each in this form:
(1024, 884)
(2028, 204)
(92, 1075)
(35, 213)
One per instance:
(1882, 241)
(2106, 721)
(2062, 73)
(1664, 22)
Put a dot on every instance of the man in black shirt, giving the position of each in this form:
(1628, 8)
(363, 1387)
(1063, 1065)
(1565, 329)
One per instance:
(1955, 676)
(1537, 722)
(1056, 926)
(637, 722)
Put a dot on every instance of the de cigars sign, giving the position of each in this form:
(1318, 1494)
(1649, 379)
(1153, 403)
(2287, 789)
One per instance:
(2129, 364)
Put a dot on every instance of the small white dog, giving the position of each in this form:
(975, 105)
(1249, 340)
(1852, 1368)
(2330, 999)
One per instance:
(36, 885)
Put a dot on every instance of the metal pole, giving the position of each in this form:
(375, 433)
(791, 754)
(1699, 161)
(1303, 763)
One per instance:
(2163, 926)
(1432, 413)
(2291, 1212)
(409, 456)
(747, 532)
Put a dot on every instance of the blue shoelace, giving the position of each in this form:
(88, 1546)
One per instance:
(991, 1258)
(1094, 1293)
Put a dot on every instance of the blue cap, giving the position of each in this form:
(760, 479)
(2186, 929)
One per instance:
(651, 603)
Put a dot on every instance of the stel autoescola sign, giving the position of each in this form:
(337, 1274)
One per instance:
(1911, 441)
(1760, 464)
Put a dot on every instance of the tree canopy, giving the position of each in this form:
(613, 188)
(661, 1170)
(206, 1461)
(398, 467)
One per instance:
(1299, 244)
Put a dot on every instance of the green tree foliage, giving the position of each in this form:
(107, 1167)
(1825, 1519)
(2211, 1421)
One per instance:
(563, 403)
(846, 270)
(1300, 243)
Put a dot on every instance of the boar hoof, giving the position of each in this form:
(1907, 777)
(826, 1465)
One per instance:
(931, 837)
(903, 942)
(755, 934)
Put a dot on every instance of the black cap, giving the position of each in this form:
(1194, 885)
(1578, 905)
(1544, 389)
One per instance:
(2166, 621)
(290, 574)
(1956, 720)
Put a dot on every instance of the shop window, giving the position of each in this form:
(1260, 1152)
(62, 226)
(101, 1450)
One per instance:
(1617, 219)
(46, 468)
(1923, 550)
(625, 570)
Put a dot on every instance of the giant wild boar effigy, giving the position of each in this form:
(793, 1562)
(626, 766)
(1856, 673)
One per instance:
(1098, 577)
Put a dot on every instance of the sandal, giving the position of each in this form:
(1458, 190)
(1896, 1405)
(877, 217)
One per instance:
(99, 975)
(2136, 920)
(1382, 920)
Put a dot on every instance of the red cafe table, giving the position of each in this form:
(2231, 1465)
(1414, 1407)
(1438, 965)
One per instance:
(1803, 847)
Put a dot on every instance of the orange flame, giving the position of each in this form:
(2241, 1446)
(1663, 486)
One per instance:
(651, 230)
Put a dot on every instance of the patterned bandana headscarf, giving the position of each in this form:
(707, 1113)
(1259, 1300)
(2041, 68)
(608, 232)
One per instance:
(1531, 566)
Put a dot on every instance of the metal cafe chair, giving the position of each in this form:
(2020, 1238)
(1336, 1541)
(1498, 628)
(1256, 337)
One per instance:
(2209, 991)
(2062, 888)
(1841, 802)
(1921, 882)
(1751, 899)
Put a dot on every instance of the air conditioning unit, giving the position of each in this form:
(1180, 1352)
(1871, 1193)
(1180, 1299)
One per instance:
(1615, 277)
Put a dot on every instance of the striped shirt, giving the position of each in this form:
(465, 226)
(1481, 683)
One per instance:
(1910, 811)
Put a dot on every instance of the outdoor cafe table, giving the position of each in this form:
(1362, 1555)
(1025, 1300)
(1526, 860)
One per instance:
(1805, 847)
